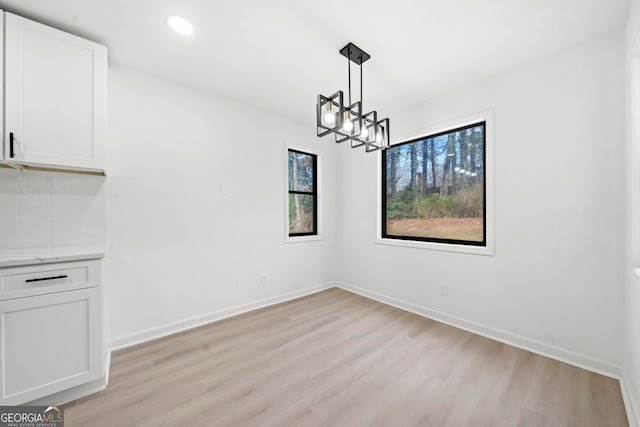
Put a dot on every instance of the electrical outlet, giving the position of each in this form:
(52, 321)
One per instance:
(443, 290)
(263, 279)
(240, 283)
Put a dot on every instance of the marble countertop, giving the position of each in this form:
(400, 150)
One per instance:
(49, 256)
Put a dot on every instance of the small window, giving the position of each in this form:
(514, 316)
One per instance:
(303, 193)
(434, 188)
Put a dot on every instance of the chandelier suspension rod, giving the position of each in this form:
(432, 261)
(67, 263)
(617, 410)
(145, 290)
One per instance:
(361, 86)
(349, 72)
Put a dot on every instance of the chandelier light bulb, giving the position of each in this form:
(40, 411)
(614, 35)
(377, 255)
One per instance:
(348, 126)
(379, 137)
(364, 134)
(329, 117)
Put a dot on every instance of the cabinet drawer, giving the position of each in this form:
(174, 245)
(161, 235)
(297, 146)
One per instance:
(18, 282)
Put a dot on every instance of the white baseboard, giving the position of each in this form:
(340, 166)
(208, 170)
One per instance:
(525, 343)
(214, 316)
(630, 403)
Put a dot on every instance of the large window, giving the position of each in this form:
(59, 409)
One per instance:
(303, 193)
(434, 188)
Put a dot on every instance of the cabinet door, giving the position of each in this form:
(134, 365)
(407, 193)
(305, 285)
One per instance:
(49, 343)
(55, 96)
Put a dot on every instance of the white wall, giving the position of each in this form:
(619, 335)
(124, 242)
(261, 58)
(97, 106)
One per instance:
(631, 354)
(555, 282)
(176, 245)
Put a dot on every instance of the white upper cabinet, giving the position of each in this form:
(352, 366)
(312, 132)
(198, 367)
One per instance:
(55, 97)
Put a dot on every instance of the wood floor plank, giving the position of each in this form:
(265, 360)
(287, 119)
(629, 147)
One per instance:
(337, 359)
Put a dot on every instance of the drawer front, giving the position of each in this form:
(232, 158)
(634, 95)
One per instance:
(18, 282)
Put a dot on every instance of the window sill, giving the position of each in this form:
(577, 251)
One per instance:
(446, 247)
(302, 239)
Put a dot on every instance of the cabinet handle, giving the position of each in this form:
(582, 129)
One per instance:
(12, 154)
(40, 279)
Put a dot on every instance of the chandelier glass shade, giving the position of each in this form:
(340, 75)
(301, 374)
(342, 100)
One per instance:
(348, 122)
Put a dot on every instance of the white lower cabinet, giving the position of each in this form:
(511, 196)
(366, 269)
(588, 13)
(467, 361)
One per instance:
(49, 343)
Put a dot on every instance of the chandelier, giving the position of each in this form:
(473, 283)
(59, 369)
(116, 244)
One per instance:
(347, 122)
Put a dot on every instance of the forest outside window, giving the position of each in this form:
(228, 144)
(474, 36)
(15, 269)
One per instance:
(303, 193)
(434, 188)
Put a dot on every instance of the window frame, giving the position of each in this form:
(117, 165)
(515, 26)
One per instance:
(634, 167)
(315, 234)
(448, 245)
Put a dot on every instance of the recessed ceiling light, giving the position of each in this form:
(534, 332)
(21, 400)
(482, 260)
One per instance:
(180, 25)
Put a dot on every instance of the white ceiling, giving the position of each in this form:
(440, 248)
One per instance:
(279, 54)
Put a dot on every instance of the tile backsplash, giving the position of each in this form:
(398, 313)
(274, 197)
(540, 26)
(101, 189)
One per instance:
(48, 210)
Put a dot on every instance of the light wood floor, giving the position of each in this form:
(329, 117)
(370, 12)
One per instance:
(338, 359)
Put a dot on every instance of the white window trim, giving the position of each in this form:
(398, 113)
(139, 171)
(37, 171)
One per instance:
(634, 130)
(489, 249)
(319, 225)
(633, 145)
